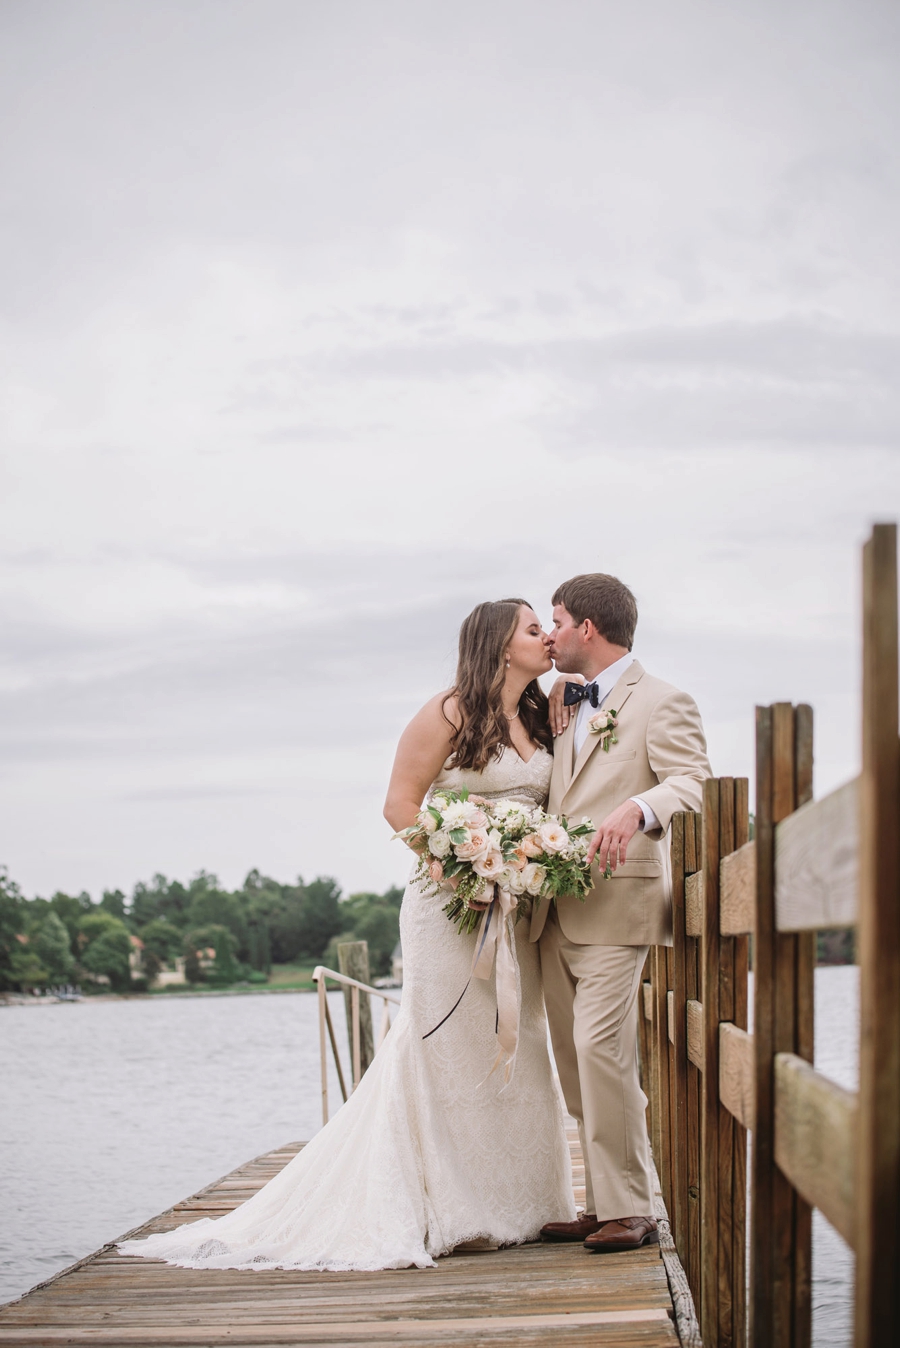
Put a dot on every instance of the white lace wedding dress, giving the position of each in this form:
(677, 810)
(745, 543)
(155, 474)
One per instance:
(430, 1151)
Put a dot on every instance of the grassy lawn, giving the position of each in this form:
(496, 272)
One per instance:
(297, 976)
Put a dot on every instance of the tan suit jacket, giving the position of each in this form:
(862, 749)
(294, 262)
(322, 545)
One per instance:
(661, 757)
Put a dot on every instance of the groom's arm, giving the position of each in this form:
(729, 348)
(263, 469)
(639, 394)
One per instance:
(676, 747)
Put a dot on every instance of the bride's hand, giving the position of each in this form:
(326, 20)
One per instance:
(559, 712)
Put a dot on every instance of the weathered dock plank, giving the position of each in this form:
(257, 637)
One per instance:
(528, 1295)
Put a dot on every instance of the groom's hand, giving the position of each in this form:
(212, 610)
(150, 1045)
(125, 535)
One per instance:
(610, 843)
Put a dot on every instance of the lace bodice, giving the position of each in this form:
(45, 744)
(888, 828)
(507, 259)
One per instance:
(506, 777)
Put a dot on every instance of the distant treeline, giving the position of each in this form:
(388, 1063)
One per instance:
(223, 936)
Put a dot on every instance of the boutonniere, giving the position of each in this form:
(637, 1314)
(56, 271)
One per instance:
(603, 723)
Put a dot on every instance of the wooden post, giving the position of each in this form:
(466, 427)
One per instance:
(662, 1136)
(353, 962)
(678, 1212)
(878, 1211)
(780, 1233)
(723, 1143)
(695, 1081)
(323, 1061)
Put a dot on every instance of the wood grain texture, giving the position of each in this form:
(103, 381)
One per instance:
(736, 1074)
(737, 891)
(763, 1154)
(715, 1315)
(878, 1216)
(817, 863)
(816, 1139)
(678, 1033)
(695, 1042)
(529, 1295)
(693, 904)
(662, 1133)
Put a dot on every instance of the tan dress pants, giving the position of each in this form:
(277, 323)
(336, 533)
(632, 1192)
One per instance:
(591, 992)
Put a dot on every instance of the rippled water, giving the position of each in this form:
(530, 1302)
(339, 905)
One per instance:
(113, 1111)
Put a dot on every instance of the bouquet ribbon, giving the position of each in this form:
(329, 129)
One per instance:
(494, 945)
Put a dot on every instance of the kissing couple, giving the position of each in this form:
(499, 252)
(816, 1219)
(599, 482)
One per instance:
(434, 1149)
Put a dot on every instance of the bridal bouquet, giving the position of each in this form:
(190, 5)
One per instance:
(469, 845)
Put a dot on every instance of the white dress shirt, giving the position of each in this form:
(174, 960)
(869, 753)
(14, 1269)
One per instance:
(606, 680)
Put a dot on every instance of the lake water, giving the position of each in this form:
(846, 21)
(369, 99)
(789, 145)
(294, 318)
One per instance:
(113, 1111)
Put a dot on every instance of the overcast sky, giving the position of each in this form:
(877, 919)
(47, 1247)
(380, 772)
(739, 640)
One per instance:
(324, 320)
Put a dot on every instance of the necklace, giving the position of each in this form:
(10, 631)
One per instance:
(512, 718)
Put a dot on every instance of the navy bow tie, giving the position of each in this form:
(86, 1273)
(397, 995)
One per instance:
(581, 692)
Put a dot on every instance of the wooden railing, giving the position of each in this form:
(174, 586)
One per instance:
(810, 866)
(321, 975)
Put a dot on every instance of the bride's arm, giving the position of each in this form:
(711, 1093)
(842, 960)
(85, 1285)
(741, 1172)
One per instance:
(421, 753)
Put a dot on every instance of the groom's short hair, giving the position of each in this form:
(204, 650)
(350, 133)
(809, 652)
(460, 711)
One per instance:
(608, 603)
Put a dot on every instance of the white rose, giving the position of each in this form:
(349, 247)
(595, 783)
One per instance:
(514, 881)
(490, 865)
(458, 813)
(495, 838)
(553, 836)
(428, 821)
(533, 877)
(439, 844)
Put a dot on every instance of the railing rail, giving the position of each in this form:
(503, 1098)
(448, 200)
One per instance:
(811, 865)
(321, 975)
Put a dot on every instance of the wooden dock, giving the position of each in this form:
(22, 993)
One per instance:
(528, 1295)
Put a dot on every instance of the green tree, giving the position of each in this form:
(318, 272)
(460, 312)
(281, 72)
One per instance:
(163, 938)
(13, 911)
(105, 947)
(225, 968)
(70, 909)
(160, 898)
(321, 915)
(52, 948)
(113, 901)
(375, 919)
(211, 906)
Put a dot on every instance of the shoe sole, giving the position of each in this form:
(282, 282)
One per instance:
(562, 1240)
(651, 1238)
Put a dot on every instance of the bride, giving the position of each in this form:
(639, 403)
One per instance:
(432, 1150)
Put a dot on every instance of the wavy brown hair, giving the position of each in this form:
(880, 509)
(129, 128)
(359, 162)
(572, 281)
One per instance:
(484, 729)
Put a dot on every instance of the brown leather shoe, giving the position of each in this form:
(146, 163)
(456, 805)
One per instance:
(626, 1233)
(584, 1225)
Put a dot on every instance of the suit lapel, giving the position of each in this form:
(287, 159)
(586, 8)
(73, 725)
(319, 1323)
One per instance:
(566, 744)
(616, 701)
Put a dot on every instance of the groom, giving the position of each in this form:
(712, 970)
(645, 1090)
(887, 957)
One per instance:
(632, 753)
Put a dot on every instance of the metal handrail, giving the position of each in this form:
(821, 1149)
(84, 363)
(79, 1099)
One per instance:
(326, 1026)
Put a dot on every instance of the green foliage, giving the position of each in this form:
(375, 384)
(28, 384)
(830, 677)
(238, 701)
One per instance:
(162, 939)
(211, 906)
(13, 914)
(113, 901)
(265, 922)
(51, 946)
(70, 909)
(160, 898)
(224, 968)
(322, 916)
(106, 947)
(374, 918)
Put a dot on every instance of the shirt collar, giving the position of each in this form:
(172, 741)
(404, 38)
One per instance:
(607, 679)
